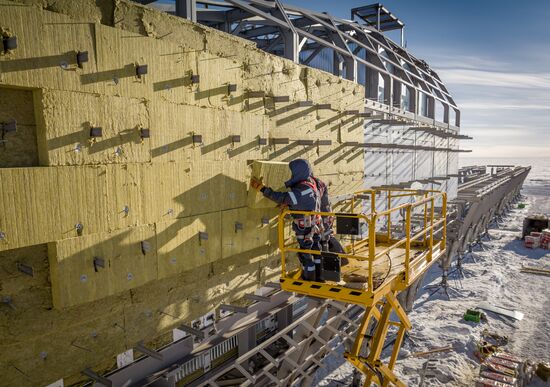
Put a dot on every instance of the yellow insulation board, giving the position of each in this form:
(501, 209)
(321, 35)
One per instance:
(272, 174)
(19, 149)
(125, 195)
(246, 230)
(173, 127)
(180, 189)
(82, 198)
(48, 62)
(93, 339)
(110, 197)
(67, 118)
(76, 279)
(64, 198)
(187, 243)
(29, 216)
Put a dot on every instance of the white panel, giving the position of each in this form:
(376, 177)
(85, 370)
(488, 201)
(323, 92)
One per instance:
(58, 383)
(178, 335)
(423, 168)
(125, 358)
(402, 166)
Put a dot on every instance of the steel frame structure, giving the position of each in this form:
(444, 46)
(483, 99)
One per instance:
(309, 334)
(300, 35)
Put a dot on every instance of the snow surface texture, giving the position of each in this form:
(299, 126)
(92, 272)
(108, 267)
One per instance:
(494, 277)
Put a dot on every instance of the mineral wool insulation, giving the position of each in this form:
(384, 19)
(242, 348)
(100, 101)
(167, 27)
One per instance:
(130, 235)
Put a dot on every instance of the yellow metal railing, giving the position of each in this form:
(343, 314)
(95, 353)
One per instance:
(367, 248)
(370, 247)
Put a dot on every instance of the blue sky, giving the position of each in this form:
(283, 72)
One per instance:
(494, 57)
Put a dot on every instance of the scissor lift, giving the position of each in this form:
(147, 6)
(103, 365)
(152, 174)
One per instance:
(382, 262)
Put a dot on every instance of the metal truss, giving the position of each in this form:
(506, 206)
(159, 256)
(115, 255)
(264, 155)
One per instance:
(244, 349)
(481, 198)
(354, 49)
(308, 339)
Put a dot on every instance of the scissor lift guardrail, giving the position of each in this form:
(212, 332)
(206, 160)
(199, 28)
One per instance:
(407, 256)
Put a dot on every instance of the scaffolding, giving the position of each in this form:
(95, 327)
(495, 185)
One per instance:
(382, 261)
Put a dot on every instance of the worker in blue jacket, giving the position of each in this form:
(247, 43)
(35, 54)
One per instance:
(304, 195)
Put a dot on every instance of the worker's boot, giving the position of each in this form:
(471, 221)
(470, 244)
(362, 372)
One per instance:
(308, 272)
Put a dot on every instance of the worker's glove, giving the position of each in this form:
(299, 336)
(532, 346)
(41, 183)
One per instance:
(256, 184)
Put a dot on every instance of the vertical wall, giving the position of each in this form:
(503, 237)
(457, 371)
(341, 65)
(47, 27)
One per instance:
(106, 241)
(392, 166)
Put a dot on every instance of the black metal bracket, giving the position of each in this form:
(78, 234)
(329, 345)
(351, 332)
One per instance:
(197, 139)
(145, 247)
(305, 103)
(262, 141)
(235, 138)
(81, 58)
(98, 262)
(238, 226)
(231, 88)
(141, 70)
(144, 133)
(9, 43)
(96, 132)
(324, 106)
(203, 236)
(195, 79)
(25, 269)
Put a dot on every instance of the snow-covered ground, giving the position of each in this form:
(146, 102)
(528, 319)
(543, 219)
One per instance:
(495, 277)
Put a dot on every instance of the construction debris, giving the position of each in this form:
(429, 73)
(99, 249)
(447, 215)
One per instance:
(474, 315)
(543, 371)
(535, 270)
(433, 350)
(500, 310)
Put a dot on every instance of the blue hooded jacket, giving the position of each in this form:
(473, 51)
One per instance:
(301, 170)
(301, 196)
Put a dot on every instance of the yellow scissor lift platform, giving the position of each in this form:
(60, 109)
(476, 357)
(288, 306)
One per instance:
(381, 263)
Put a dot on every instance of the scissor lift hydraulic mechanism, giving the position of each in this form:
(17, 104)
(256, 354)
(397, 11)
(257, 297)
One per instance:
(386, 251)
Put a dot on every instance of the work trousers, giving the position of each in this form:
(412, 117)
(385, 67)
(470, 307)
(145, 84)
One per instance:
(308, 240)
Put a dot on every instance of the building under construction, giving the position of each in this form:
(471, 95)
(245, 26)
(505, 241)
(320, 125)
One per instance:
(133, 251)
